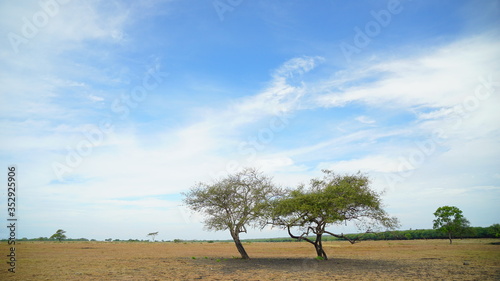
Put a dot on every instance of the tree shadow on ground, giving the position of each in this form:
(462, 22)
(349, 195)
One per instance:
(304, 265)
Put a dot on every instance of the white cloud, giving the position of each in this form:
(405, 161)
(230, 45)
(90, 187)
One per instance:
(375, 163)
(280, 97)
(365, 120)
(95, 98)
(78, 21)
(269, 165)
(440, 78)
(296, 66)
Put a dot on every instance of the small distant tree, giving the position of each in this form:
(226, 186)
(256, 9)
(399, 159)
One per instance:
(59, 235)
(334, 199)
(449, 219)
(153, 235)
(233, 203)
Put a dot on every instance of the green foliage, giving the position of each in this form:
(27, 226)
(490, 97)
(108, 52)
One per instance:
(59, 235)
(334, 199)
(494, 230)
(471, 232)
(449, 219)
(398, 235)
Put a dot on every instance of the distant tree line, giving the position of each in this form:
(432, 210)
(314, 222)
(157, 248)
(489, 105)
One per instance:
(55, 239)
(492, 231)
(79, 239)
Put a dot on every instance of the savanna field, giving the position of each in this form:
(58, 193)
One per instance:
(468, 259)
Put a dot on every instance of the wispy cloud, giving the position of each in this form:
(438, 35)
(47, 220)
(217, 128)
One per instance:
(440, 77)
(365, 120)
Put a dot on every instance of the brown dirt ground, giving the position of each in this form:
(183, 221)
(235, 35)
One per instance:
(474, 259)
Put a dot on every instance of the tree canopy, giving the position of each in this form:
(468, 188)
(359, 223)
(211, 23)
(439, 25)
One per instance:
(233, 203)
(449, 219)
(334, 199)
(59, 235)
(153, 235)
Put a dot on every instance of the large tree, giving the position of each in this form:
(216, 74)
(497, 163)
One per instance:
(334, 199)
(449, 219)
(233, 203)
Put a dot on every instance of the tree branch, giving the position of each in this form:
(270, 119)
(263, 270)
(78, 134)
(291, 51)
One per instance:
(299, 237)
(352, 241)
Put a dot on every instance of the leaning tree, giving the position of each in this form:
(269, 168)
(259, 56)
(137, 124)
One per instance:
(450, 220)
(233, 203)
(59, 235)
(334, 199)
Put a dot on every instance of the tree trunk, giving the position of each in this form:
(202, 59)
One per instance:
(239, 246)
(449, 236)
(319, 247)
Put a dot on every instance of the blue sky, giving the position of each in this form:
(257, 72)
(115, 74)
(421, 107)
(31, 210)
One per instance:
(111, 109)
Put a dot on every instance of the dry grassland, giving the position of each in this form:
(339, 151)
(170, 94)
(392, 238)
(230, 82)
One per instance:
(474, 259)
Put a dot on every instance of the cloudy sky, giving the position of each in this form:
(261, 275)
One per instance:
(111, 109)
